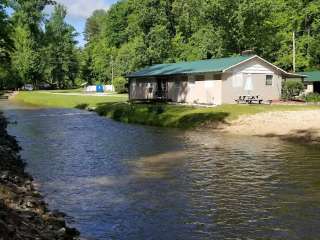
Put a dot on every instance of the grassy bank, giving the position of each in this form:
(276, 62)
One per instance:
(116, 107)
(185, 117)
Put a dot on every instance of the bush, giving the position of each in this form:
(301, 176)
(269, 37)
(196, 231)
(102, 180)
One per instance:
(292, 89)
(312, 97)
(119, 84)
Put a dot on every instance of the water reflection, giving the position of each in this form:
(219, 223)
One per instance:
(121, 181)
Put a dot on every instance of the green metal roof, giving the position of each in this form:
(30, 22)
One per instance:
(313, 76)
(203, 66)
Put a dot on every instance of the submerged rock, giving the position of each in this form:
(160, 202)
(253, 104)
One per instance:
(23, 213)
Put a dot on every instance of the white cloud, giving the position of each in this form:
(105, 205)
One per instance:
(82, 8)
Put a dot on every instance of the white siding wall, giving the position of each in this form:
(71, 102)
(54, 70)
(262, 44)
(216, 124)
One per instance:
(234, 81)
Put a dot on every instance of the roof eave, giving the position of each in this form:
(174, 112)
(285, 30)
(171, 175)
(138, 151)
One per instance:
(174, 74)
(295, 75)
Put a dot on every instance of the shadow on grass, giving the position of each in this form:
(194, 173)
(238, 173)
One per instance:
(309, 136)
(162, 115)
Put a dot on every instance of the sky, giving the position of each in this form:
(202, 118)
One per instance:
(80, 10)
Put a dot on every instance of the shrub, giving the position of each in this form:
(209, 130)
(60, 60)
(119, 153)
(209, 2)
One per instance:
(82, 106)
(312, 97)
(119, 84)
(292, 89)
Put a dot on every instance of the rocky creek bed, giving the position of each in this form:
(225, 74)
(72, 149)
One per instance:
(23, 213)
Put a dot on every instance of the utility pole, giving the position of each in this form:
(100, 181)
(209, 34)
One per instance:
(112, 71)
(294, 51)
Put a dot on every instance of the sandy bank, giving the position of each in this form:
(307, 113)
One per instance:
(302, 126)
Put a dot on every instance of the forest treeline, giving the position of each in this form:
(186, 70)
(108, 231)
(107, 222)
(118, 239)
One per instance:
(35, 48)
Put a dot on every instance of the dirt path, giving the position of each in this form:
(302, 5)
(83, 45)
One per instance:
(289, 125)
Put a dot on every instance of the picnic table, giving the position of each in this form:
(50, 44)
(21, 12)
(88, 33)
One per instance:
(248, 99)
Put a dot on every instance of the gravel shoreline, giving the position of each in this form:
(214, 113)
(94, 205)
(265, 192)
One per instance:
(23, 213)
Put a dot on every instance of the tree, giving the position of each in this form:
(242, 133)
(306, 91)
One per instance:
(60, 51)
(94, 25)
(6, 44)
(137, 33)
(28, 39)
(131, 56)
(120, 85)
(25, 59)
(86, 71)
(6, 47)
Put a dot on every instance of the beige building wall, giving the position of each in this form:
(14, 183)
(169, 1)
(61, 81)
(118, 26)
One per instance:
(235, 80)
(207, 91)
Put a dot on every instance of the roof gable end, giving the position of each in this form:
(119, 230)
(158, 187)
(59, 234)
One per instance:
(283, 72)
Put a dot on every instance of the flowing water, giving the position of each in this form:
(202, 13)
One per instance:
(118, 181)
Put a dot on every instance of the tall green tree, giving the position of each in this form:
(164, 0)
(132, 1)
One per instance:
(6, 47)
(28, 36)
(25, 59)
(5, 38)
(144, 32)
(60, 52)
(94, 25)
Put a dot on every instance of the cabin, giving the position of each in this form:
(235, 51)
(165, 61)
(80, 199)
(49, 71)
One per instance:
(210, 82)
(311, 81)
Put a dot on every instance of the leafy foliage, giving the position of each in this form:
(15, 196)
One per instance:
(312, 97)
(144, 32)
(61, 65)
(292, 89)
(132, 34)
(34, 49)
(120, 85)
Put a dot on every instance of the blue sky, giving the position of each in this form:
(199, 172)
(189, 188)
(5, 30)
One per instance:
(80, 10)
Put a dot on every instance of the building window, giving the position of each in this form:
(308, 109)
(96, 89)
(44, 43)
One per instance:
(269, 80)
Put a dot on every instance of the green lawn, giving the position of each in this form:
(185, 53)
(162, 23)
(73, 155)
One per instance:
(77, 90)
(116, 107)
(41, 98)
